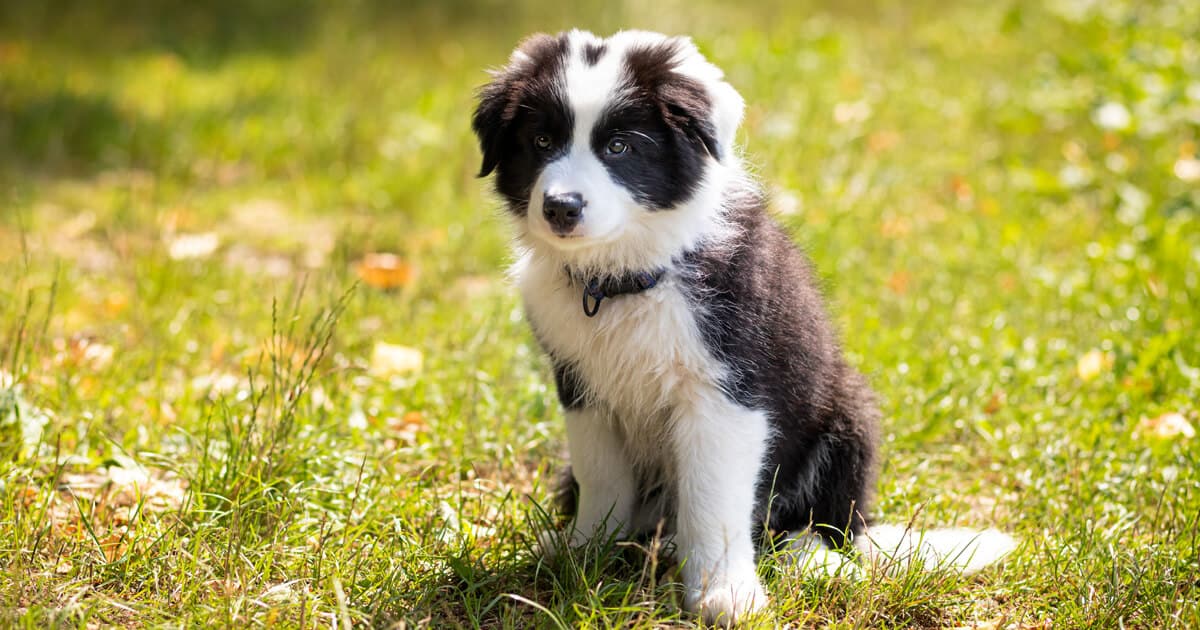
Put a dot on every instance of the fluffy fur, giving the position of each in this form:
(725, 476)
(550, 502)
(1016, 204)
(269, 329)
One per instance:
(717, 403)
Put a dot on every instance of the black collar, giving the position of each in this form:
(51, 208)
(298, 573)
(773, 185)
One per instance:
(596, 289)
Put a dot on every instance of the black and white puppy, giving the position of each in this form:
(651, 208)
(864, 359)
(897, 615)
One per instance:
(703, 384)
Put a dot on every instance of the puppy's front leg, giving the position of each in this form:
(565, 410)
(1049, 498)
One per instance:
(719, 448)
(607, 488)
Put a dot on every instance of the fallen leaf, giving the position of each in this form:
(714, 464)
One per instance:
(113, 546)
(27, 495)
(1092, 363)
(882, 141)
(995, 403)
(192, 246)
(413, 419)
(961, 188)
(405, 428)
(1168, 425)
(388, 360)
(384, 271)
(898, 282)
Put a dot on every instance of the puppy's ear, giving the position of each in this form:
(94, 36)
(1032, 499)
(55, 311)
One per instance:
(686, 107)
(692, 93)
(490, 123)
(499, 100)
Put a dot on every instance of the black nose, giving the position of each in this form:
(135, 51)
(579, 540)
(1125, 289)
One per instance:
(563, 210)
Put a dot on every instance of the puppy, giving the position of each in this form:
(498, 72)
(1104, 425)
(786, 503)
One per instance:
(703, 385)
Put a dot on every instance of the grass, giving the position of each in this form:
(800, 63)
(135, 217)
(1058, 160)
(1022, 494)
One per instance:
(198, 425)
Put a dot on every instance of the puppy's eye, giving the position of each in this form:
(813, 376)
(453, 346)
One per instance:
(542, 141)
(616, 146)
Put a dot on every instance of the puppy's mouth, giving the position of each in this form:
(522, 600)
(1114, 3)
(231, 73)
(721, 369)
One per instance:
(574, 239)
(566, 234)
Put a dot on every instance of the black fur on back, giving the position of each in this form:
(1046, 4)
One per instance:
(761, 313)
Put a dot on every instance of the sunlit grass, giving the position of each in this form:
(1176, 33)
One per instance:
(1000, 197)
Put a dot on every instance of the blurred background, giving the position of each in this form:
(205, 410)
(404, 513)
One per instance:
(1001, 197)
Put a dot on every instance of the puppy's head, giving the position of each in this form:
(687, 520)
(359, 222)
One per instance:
(596, 142)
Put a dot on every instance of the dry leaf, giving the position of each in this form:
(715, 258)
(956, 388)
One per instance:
(384, 271)
(995, 403)
(27, 495)
(82, 351)
(961, 188)
(1092, 363)
(1168, 425)
(881, 141)
(191, 246)
(899, 281)
(413, 419)
(406, 427)
(113, 546)
(388, 360)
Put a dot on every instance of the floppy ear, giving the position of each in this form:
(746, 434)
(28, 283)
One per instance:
(687, 109)
(499, 100)
(490, 123)
(692, 93)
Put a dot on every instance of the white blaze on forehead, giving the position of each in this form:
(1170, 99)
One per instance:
(591, 88)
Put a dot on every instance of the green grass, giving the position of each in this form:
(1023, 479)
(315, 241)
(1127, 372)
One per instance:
(983, 238)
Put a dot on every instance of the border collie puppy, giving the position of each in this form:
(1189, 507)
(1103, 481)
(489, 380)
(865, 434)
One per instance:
(703, 385)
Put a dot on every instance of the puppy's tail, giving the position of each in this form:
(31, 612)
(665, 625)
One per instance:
(892, 547)
(893, 550)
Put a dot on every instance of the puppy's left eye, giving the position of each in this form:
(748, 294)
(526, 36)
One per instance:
(616, 146)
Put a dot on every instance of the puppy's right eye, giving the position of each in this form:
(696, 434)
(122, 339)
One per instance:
(542, 141)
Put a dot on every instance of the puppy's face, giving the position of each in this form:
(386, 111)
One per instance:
(593, 140)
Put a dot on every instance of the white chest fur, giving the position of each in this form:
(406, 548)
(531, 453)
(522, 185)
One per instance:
(640, 356)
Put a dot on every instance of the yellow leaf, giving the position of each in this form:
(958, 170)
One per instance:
(1091, 364)
(384, 271)
(389, 360)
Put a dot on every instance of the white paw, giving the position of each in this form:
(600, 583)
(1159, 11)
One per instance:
(725, 602)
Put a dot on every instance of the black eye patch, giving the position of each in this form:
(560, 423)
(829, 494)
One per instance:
(544, 116)
(659, 166)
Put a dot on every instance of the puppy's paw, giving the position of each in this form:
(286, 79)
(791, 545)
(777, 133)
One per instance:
(725, 602)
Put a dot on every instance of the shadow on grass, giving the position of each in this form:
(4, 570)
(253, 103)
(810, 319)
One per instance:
(62, 132)
(199, 32)
(518, 588)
